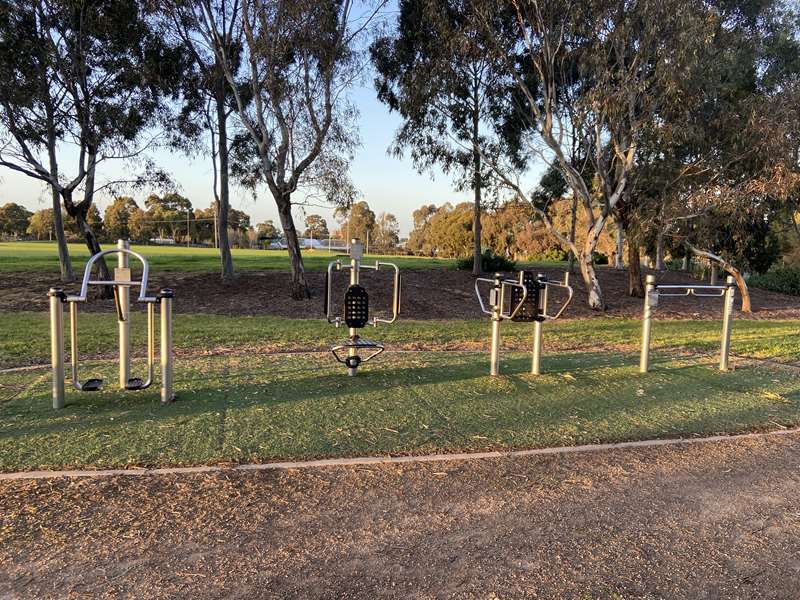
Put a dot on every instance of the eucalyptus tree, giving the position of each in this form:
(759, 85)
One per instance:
(300, 58)
(32, 104)
(437, 72)
(211, 31)
(111, 68)
(587, 73)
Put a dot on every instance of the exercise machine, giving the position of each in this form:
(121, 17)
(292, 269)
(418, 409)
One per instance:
(524, 299)
(654, 292)
(121, 285)
(356, 350)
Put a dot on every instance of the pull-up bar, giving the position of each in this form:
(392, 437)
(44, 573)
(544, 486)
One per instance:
(654, 291)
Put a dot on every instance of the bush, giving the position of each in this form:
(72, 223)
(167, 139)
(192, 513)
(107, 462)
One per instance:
(489, 262)
(783, 278)
(550, 255)
(599, 258)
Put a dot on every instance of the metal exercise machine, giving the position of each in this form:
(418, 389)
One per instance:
(356, 309)
(654, 291)
(121, 285)
(524, 299)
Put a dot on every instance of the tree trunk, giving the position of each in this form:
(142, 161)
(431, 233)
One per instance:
(64, 261)
(572, 230)
(223, 201)
(740, 282)
(619, 263)
(660, 252)
(588, 272)
(635, 286)
(299, 290)
(477, 267)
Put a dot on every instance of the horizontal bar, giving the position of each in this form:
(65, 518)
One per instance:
(692, 287)
(117, 283)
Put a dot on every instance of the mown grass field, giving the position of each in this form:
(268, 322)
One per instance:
(43, 256)
(238, 402)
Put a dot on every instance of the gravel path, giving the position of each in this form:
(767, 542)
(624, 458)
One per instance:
(717, 520)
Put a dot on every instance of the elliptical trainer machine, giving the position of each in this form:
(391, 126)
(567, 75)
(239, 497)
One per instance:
(356, 309)
(121, 285)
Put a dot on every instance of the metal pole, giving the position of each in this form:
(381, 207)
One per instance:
(188, 218)
(355, 264)
(166, 297)
(497, 307)
(714, 276)
(57, 345)
(644, 359)
(727, 323)
(536, 367)
(124, 325)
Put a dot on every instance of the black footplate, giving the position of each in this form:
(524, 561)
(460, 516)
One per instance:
(356, 307)
(134, 383)
(92, 385)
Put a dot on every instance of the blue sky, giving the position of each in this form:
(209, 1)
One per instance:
(386, 183)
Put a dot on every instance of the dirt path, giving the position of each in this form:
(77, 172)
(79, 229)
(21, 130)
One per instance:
(715, 520)
(427, 294)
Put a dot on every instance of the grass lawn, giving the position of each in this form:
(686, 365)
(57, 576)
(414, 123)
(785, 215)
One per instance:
(248, 405)
(43, 256)
(263, 407)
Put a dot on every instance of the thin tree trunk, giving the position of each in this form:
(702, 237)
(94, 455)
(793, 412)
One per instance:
(572, 230)
(660, 252)
(64, 261)
(740, 282)
(477, 267)
(619, 263)
(635, 286)
(223, 201)
(588, 272)
(299, 289)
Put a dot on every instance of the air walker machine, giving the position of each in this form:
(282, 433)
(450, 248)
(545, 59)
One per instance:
(121, 284)
(356, 309)
(522, 299)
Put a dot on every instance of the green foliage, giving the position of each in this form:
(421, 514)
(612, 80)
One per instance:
(599, 258)
(550, 255)
(490, 263)
(783, 278)
(14, 219)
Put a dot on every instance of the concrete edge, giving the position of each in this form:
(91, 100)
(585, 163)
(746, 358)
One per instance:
(389, 460)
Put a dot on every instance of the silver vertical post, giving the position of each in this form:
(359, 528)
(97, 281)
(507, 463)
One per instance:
(536, 367)
(124, 325)
(714, 275)
(57, 345)
(497, 307)
(166, 297)
(355, 265)
(727, 322)
(644, 359)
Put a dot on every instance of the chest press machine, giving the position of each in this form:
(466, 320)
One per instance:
(121, 285)
(524, 299)
(356, 309)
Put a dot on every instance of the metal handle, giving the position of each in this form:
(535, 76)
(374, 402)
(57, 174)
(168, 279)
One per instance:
(570, 293)
(478, 293)
(329, 292)
(395, 293)
(143, 297)
(510, 283)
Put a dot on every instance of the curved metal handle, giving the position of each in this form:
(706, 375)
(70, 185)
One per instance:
(395, 293)
(87, 272)
(511, 283)
(570, 294)
(328, 292)
(478, 293)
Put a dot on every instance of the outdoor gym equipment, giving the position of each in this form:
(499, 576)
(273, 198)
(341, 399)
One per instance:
(121, 285)
(523, 299)
(356, 309)
(654, 291)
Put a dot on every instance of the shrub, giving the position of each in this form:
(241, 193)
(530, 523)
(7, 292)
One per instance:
(599, 258)
(489, 262)
(550, 255)
(783, 278)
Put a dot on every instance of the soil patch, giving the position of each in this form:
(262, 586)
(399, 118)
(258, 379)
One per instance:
(714, 520)
(427, 294)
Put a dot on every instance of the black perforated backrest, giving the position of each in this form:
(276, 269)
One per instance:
(356, 306)
(530, 308)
